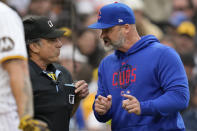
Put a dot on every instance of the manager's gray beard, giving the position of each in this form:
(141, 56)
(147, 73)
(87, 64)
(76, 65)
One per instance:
(117, 44)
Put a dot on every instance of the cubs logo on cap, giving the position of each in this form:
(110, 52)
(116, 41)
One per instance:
(114, 14)
(99, 15)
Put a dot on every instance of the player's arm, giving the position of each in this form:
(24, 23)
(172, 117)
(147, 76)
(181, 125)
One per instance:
(20, 84)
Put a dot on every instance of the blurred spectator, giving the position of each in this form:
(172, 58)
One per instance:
(194, 2)
(40, 7)
(91, 122)
(85, 73)
(183, 6)
(186, 28)
(88, 45)
(144, 25)
(77, 65)
(77, 122)
(184, 40)
(90, 19)
(84, 7)
(66, 59)
(88, 101)
(194, 19)
(177, 18)
(168, 40)
(56, 9)
(67, 38)
(190, 116)
(4, 1)
(158, 11)
(189, 64)
(64, 14)
(183, 10)
(97, 4)
(20, 5)
(94, 125)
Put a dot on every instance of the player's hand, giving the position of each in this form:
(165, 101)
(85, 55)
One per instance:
(131, 105)
(81, 89)
(103, 104)
(27, 123)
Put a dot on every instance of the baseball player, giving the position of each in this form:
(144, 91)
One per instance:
(15, 88)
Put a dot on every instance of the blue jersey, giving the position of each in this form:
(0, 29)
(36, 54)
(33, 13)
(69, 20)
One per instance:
(155, 75)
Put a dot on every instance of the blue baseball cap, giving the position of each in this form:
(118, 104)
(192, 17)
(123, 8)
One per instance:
(114, 14)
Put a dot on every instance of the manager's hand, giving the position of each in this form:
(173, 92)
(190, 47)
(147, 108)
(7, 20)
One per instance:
(103, 104)
(131, 104)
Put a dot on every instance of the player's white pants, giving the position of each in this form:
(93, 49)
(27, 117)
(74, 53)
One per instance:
(9, 122)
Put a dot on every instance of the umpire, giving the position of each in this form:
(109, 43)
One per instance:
(55, 100)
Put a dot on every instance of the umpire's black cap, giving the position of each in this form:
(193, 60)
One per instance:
(40, 27)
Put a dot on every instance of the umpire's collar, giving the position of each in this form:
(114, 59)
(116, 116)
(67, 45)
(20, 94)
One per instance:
(38, 70)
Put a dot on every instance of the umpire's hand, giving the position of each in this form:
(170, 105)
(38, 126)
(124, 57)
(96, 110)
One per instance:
(131, 104)
(103, 104)
(81, 89)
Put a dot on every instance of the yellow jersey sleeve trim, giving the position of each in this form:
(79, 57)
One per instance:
(12, 57)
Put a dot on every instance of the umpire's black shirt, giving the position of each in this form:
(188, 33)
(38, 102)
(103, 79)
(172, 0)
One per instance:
(51, 102)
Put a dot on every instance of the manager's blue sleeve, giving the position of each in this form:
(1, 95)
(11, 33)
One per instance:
(103, 91)
(174, 83)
